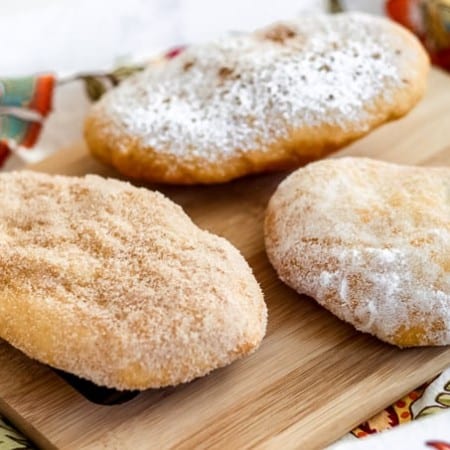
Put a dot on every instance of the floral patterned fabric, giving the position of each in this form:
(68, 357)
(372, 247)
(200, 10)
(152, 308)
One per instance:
(425, 434)
(426, 400)
(24, 104)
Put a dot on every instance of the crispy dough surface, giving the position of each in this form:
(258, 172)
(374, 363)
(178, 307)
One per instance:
(272, 99)
(117, 285)
(370, 241)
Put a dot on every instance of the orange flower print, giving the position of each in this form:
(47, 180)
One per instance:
(438, 445)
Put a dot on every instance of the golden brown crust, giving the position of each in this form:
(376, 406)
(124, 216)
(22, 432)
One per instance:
(116, 285)
(114, 144)
(369, 241)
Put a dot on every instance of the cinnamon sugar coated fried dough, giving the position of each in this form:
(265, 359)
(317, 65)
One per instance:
(272, 99)
(116, 284)
(370, 241)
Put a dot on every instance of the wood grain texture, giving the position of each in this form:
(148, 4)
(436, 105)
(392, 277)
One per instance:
(314, 377)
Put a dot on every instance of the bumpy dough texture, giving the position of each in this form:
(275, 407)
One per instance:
(273, 99)
(370, 241)
(116, 284)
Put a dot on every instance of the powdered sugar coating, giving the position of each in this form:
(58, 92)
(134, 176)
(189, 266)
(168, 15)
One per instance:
(247, 92)
(370, 242)
(117, 285)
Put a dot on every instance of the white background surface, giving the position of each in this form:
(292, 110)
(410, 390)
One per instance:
(71, 35)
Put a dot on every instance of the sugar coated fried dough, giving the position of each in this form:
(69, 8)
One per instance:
(370, 241)
(117, 285)
(263, 101)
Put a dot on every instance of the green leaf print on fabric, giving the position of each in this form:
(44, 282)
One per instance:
(443, 399)
(11, 439)
(94, 88)
(97, 84)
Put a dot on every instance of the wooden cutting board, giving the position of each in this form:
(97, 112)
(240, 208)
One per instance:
(314, 377)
